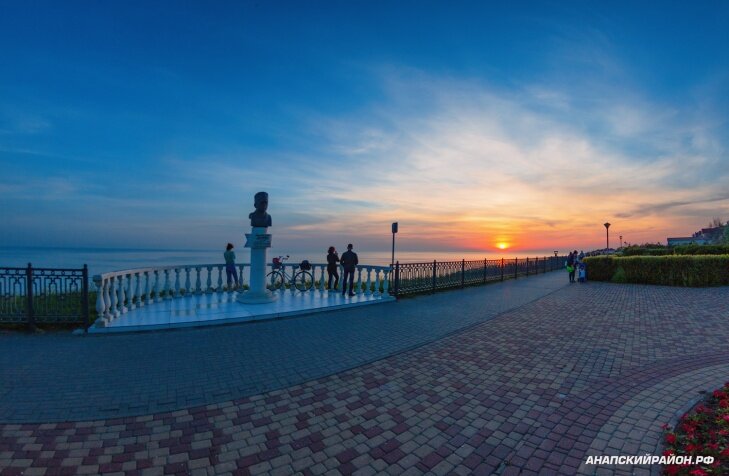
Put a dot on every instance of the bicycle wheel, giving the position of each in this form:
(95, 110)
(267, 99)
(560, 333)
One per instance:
(274, 280)
(303, 281)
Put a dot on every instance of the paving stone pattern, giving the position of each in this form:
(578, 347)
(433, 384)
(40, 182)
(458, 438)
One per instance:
(68, 378)
(589, 369)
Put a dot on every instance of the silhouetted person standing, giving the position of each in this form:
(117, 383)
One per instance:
(333, 267)
(349, 261)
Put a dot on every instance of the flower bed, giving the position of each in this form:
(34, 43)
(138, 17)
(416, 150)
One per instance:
(704, 431)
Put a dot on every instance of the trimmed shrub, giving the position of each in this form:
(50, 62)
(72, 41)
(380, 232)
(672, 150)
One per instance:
(701, 250)
(643, 251)
(694, 271)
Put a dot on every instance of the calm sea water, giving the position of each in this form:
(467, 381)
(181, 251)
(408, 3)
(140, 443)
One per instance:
(101, 260)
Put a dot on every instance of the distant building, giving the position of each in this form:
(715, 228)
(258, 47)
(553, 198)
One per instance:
(705, 236)
(688, 240)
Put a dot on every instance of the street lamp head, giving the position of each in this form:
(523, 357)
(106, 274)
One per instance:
(607, 225)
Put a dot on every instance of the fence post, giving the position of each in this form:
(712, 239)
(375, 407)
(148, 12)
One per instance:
(434, 272)
(85, 298)
(516, 268)
(484, 270)
(527, 266)
(397, 279)
(463, 272)
(29, 296)
(502, 269)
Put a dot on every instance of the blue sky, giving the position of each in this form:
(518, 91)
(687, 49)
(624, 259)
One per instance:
(148, 124)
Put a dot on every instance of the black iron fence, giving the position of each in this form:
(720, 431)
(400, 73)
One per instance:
(414, 278)
(44, 296)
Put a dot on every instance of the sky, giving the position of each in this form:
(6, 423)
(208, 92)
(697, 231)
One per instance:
(475, 125)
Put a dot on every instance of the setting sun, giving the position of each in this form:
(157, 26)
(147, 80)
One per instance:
(502, 246)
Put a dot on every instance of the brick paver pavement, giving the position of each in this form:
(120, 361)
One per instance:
(589, 369)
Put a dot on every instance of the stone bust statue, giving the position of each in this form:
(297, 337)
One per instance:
(260, 218)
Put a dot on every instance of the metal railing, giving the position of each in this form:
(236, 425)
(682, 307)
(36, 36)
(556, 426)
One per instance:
(33, 296)
(416, 278)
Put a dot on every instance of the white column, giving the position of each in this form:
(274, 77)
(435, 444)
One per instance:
(257, 293)
(376, 293)
(133, 294)
(386, 283)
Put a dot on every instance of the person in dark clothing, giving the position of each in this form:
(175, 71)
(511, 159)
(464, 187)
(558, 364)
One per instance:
(571, 266)
(332, 267)
(349, 261)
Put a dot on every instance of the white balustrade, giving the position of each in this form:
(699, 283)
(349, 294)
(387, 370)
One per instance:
(122, 291)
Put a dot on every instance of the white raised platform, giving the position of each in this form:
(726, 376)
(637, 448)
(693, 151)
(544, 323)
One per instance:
(222, 308)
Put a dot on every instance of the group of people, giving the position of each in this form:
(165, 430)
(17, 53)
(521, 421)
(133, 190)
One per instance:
(575, 265)
(348, 261)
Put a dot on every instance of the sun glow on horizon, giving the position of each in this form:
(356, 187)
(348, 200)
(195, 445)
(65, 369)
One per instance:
(502, 246)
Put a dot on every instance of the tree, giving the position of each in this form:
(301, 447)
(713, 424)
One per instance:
(716, 222)
(725, 237)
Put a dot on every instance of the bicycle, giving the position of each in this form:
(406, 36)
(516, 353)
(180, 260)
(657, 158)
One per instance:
(302, 279)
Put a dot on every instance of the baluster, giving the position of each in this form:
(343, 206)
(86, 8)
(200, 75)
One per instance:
(292, 288)
(130, 292)
(112, 292)
(177, 282)
(241, 269)
(322, 284)
(368, 289)
(358, 286)
(376, 292)
(220, 279)
(198, 284)
(102, 306)
(168, 285)
(209, 288)
(157, 286)
(188, 291)
(147, 288)
(137, 292)
(122, 295)
(386, 282)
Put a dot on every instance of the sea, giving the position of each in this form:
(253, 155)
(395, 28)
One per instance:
(104, 260)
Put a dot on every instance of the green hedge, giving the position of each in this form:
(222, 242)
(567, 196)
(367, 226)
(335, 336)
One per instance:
(675, 250)
(642, 251)
(701, 250)
(665, 270)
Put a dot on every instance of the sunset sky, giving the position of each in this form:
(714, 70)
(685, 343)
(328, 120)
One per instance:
(152, 124)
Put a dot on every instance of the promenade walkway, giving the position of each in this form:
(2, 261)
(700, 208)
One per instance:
(540, 375)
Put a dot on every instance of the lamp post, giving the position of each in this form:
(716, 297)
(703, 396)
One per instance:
(394, 232)
(555, 253)
(620, 243)
(607, 235)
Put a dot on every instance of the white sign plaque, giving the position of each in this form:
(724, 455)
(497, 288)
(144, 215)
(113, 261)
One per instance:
(258, 241)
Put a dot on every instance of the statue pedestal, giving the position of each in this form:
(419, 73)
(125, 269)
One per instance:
(258, 241)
